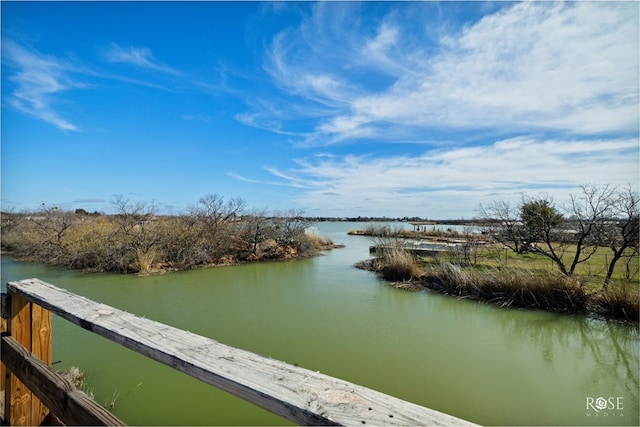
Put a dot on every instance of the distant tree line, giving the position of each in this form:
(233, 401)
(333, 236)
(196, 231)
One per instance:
(214, 230)
(396, 219)
(596, 217)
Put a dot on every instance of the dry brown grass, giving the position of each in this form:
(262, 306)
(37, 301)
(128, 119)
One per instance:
(396, 265)
(619, 302)
(145, 260)
(508, 287)
(76, 377)
(319, 242)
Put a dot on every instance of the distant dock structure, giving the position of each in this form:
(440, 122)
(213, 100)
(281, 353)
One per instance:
(421, 225)
(419, 248)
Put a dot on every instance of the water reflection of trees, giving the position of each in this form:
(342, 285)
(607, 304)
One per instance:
(623, 341)
(612, 346)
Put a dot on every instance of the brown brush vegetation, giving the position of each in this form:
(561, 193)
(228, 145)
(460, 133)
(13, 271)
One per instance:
(508, 287)
(135, 240)
(396, 265)
(319, 242)
(619, 302)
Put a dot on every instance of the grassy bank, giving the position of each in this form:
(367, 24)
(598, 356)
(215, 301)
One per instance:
(509, 286)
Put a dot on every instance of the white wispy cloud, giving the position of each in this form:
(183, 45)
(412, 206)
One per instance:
(547, 92)
(452, 182)
(284, 181)
(569, 67)
(40, 82)
(138, 56)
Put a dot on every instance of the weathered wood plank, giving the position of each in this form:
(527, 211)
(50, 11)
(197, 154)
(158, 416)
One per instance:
(70, 405)
(5, 305)
(3, 371)
(5, 312)
(295, 393)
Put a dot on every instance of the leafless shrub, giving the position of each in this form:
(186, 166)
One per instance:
(136, 240)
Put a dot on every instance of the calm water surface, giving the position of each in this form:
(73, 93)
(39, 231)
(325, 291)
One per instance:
(487, 365)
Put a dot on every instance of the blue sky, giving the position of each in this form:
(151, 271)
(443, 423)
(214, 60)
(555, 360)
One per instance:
(339, 109)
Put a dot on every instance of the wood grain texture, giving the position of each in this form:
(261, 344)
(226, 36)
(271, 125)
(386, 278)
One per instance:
(18, 397)
(3, 369)
(5, 309)
(70, 405)
(300, 395)
(41, 349)
(5, 305)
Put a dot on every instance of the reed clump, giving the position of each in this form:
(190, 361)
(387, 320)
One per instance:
(319, 242)
(618, 302)
(396, 265)
(508, 287)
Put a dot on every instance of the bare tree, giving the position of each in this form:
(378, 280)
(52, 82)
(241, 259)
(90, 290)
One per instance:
(131, 214)
(53, 224)
(10, 219)
(471, 246)
(256, 227)
(505, 225)
(620, 231)
(213, 215)
(213, 208)
(135, 232)
(589, 211)
(291, 225)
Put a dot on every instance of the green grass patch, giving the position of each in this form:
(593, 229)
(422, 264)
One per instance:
(590, 273)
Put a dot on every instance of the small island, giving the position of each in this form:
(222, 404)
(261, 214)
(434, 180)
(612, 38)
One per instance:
(214, 232)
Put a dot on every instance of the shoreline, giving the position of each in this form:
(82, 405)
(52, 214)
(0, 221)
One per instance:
(161, 268)
(532, 291)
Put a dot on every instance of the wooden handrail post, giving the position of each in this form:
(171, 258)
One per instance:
(5, 312)
(30, 325)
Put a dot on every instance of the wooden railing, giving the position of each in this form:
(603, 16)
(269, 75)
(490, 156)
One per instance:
(33, 390)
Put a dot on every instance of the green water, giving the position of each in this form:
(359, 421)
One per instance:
(487, 365)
